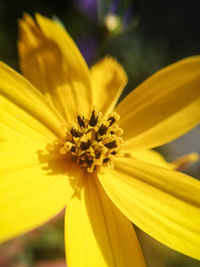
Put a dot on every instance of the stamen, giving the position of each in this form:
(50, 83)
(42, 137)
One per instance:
(73, 149)
(102, 130)
(111, 144)
(75, 133)
(112, 120)
(81, 121)
(93, 142)
(97, 137)
(93, 119)
(97, 154)
(85, 145)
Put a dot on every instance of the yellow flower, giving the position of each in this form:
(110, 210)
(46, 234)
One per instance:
(62, 144)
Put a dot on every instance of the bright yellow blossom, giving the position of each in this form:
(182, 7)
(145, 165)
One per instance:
(62, 144)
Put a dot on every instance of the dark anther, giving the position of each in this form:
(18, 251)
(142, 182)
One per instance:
(96, 137)
(111, 144)
(113, 153)
(97, 154)
(112, 132)
(112, 120)
(89, 162)
(81, 161)
(106, 160)
(75, 133)
(73, 149)
(102, 130)
(93, 120)
(85, 145)
(87, 159)
(81, 121)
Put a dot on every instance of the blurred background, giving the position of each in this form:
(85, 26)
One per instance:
(144, 36)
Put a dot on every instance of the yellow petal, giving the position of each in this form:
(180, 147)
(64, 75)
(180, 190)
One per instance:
(52, 62)
(183, 162)
(108, 81)
(34, 186)
(163, 203)
(164, 107)
(97, 234)
(153, 157)
(149, 156)
(24, 112)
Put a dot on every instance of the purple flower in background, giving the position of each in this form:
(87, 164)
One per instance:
(88, 47)
(113, 15)
(112, 10)
(87, 7)
(118, 16)
(127, 16)
(114, 6)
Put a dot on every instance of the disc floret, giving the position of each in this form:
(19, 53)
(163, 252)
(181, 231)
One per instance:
(93, 142)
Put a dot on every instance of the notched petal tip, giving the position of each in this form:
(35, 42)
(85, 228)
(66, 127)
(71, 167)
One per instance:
(52, 62)
(108, 81)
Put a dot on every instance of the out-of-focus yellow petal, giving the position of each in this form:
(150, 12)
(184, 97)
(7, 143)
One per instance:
(149, 156)
(162, 202)
(164, 107)
(153, 157)
(96, 232)
(52, 62)
(183, 162)
(108, 82)
(24, 111)
(35, 185)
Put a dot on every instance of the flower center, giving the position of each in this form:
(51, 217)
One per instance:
(93, 142)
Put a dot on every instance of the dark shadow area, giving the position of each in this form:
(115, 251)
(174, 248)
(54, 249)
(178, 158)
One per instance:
(56, 164)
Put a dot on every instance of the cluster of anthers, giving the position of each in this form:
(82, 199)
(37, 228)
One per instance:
(93, 142)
